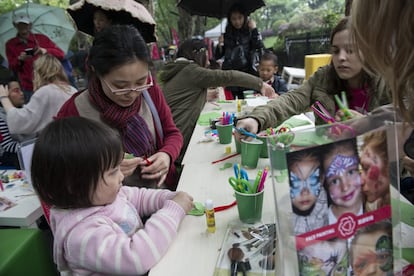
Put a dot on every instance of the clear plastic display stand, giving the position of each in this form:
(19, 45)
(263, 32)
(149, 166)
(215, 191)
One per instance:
(340, 152)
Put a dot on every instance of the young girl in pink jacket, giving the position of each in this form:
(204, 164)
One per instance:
(97, 223)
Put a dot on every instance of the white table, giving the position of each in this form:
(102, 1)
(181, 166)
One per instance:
(194, 251)
(26, 212)
(207, 152)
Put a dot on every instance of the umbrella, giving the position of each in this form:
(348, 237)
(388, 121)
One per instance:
(122, 12)
(218, 8)
(48, 20)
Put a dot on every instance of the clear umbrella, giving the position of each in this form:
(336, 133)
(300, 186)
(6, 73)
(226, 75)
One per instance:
(51, 21)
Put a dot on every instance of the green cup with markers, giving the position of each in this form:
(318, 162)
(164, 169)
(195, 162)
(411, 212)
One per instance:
(249, 194)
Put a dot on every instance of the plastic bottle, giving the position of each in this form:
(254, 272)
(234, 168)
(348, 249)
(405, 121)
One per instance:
(210, 219)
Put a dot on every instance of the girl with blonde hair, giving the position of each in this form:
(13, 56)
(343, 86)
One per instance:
(388, 52)
(48, 69)
(51, 92)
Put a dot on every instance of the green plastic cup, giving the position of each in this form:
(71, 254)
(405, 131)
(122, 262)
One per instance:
(250, 152)
(249, 206)
(225, 133)
(238, 145)
(263, 153)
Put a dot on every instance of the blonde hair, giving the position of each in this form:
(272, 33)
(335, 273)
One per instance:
(384, 35)
(48, 69)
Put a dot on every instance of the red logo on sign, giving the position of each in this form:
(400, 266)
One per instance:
(346, 225)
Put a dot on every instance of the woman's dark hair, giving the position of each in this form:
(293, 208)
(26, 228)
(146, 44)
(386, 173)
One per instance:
(337, 84)
(70, 157)
(114, 46)
(236, 8)
(193, 49)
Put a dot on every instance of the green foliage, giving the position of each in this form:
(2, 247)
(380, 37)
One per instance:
(166, 16)
(9, 5)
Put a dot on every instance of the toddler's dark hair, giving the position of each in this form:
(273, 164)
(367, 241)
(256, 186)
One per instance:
(70, 157)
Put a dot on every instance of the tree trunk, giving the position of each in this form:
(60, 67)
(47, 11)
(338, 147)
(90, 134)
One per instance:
(199, 25)
(348, 4)
(185, 24)
(149, 5)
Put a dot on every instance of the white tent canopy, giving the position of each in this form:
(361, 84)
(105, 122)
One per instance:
(215, 32)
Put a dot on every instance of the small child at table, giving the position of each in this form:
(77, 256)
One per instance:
(96, 222)
(268, 69)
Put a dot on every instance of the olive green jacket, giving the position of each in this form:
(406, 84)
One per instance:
(185, 84)
(315, 89)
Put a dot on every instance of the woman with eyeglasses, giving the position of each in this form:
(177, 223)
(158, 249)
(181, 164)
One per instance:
(122, 94)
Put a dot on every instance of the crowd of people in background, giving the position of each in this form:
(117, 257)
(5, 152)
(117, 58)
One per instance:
(139, 122)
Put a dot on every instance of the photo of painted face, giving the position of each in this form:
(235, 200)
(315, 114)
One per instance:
(305, 184)
(309, 202)
(375, 170)
(371, 250)
(342, 180)
(324, 258)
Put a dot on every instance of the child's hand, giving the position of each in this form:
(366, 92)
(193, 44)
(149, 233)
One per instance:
(157, 168)
(268, 91)
(128, 165)
(184, 200)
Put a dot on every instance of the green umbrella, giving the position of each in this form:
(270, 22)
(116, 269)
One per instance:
(51, 21)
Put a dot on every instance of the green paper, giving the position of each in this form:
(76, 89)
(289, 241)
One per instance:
(198, 209)
(226, 166)
(310, 138)
(204, 119)
(293, 122)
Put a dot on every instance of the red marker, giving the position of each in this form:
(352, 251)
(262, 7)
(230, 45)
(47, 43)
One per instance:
(147, 161)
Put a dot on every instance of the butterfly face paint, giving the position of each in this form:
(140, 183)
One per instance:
(340, 165)
(298, 183)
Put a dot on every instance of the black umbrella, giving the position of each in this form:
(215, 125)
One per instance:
(122, 12)
(218, 8)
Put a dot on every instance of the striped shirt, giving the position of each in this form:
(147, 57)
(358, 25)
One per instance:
(113, 239)
(7, 143)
